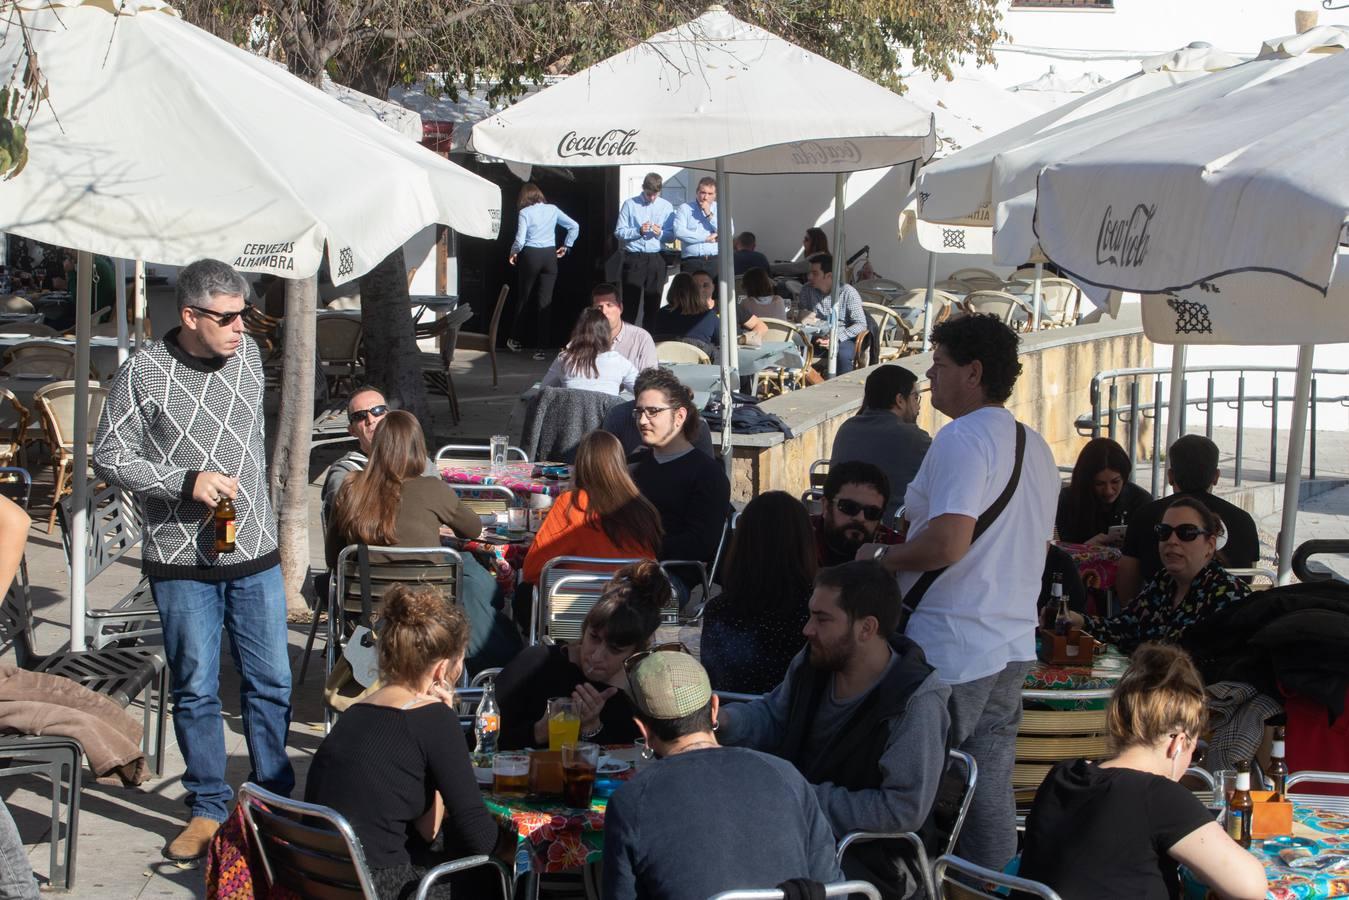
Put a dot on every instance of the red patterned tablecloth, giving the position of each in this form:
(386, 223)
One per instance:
(520, 477)
(504, 561)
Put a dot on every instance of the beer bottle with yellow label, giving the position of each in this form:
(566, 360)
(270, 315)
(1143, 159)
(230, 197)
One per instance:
(224, 526)
(1240, 807)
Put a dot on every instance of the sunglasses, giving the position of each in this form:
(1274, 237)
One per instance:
(649, 412)
(360, 415)
(1186, 532)
(221, 318)
(631, 663)
(852, 508)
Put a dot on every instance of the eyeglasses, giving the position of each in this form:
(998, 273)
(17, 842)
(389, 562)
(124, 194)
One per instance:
(632, 662)
(1186, 532)
(852, 508)
(360, 415)
(649, 412)
(221, 318)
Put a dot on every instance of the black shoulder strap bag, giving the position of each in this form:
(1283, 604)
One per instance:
(920, 587)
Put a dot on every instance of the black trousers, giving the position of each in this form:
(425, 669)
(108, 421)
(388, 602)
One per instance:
(642, 279)
(534, 289)
(709, 264)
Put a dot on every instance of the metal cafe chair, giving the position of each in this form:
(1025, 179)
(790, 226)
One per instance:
(990, 884)
(833, 889)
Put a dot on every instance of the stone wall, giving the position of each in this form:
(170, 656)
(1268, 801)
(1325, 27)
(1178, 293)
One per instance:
(1053, 390)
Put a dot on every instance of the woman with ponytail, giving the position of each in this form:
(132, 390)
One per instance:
(396, 764)
(1118, 828)
(590, 671)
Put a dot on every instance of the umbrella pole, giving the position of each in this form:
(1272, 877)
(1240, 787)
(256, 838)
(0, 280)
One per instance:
(1293, 476)
(138, 304)
(840, 189)
(927, 304)
(726, 283)
(120, 312)
(79, 479)
(1173, 409)
(1035, 297)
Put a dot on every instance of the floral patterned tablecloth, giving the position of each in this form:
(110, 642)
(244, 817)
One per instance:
(1098, 566)
(550, 837)
(1105, 671)
(1319, 830)
(504, 561)
(520, 477)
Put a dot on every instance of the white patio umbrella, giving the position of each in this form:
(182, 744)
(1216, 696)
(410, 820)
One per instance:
(159, 141)
(1237, 225)
(716, 93)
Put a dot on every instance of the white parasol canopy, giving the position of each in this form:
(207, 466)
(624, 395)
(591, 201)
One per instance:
(715, 88)
(1268, 209)
(717, 93)
(162, 142)
(1252, 181)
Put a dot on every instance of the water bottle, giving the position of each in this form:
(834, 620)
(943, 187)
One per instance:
(487, 722)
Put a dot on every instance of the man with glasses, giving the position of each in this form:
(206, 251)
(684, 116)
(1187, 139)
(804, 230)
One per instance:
(861, 715)
(645, 224)
(621, 420)
(883, 432)
(856, 495)
(365, 410)
(689, 489)
(182, 429)
(649, 848)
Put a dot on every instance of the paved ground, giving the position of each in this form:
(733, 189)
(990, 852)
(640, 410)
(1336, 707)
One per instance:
(122, 831)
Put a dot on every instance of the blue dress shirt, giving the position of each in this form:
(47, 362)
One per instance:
(693, 229)
(636, 212)
(538, 225)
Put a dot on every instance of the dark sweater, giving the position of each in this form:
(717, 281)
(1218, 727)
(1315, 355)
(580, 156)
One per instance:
(692, 495)
(540, 673)
(712, 820)
(747, 649)
(380, 767)
(1077, 529)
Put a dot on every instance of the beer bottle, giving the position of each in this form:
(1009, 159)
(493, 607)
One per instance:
(224, 525)
(1062, 623)
(1278, 768)
(1240, 807)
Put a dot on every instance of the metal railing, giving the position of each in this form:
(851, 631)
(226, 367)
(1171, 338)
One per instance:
(1120, 408)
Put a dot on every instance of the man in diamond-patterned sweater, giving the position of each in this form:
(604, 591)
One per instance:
(182, 428)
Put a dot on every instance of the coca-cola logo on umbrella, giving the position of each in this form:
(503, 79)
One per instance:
(825, 153)
(614, 142)
(1123, 241)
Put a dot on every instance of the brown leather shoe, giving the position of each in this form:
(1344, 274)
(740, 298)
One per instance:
(190, 844)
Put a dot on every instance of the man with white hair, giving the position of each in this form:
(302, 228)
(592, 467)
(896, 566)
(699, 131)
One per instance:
(182, 430)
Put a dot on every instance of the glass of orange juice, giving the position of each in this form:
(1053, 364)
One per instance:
(564, 725)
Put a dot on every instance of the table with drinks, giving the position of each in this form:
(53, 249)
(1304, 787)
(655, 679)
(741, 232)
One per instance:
(524, 479)
(554, 800)
(1102, 672)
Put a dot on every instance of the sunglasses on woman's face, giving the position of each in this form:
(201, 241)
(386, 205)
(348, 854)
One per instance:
(852, 508)
(1186, 532)
(631, 662)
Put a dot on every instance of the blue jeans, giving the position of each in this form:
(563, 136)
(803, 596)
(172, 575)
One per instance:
(252, 610)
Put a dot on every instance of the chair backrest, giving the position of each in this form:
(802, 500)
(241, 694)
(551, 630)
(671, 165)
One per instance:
(782, 330)
(973, 272)
(1059, 296)
(40, 358)
(1048, 736)
(447, 575)
(308, 848)
(886, 285)
(1335, 803)
(977, 881)
(342, 304)
(470, 452)
(16, 621)
(984, 284)
(954, 795)
(14, 417)
(114, 522)
(813, 500)
(56, 405)
(16, 304)
(337, 338)
(681, 352)
(819, 471)
(36, 329)
(832, 889)
(997, 303)
(889, 325)
(914, 298)
(16, 484)
(485, 498)
(568, 587)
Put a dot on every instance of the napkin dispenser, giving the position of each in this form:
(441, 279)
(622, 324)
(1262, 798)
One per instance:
(1270, 820)
(1076, 648)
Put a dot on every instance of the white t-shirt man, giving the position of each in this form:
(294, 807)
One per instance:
(979, 615)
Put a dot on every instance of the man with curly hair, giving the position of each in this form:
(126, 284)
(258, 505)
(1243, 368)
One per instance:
(976, 620)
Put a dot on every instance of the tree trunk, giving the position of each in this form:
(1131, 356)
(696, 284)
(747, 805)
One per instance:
(290, 458)
(392, 359)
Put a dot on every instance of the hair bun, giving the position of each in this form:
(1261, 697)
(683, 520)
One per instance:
(648, 585)
(410, 607)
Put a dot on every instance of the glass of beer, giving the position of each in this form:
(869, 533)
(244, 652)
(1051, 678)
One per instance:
(564, 725)
(510, 774)
(579, 761)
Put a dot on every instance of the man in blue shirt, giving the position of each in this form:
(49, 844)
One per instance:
(695, 224)
(645, 222)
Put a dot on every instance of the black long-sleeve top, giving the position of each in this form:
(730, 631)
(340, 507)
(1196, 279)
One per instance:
(380, 768)
(692, 495)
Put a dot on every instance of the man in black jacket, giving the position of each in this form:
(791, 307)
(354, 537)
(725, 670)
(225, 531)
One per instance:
(861, 714)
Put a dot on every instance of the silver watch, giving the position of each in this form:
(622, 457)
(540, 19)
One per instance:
(880, 552)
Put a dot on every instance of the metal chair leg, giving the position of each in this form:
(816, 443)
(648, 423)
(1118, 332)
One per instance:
(320, 607)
